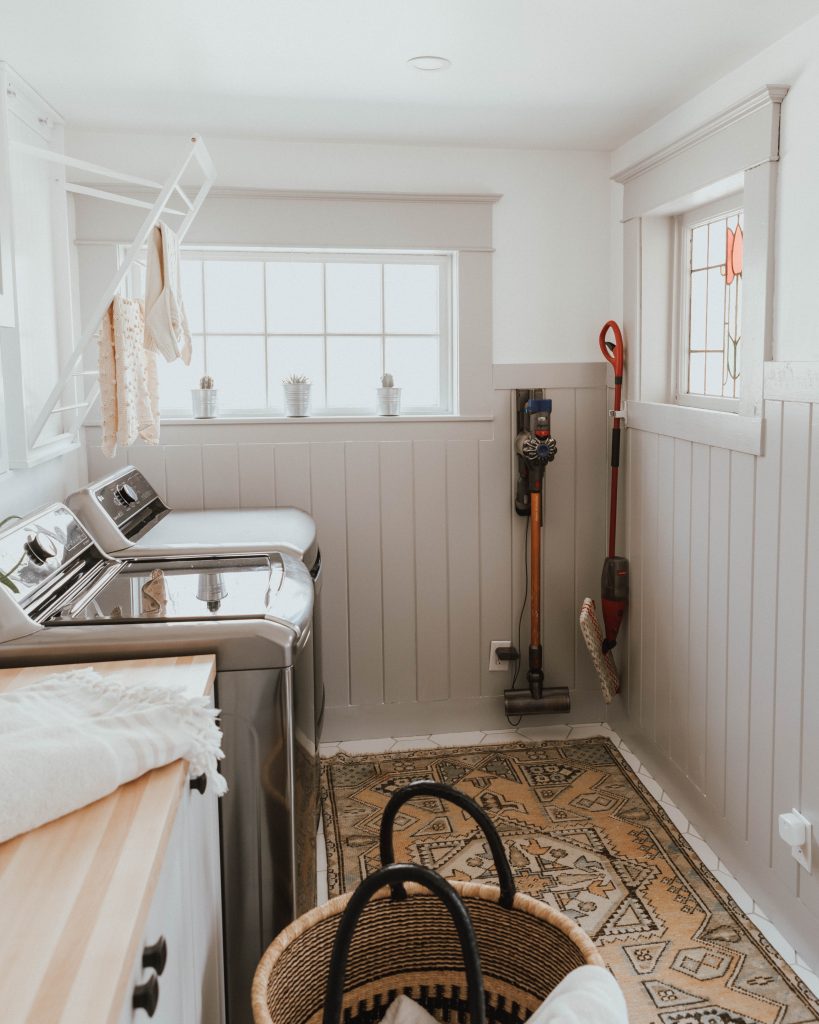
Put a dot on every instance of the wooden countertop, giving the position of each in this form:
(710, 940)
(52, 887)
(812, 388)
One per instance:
(74, 894)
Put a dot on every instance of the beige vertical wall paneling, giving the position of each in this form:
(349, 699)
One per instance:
(663, 659)
(431, 570)
(257, 475)
(763, 638)
(633, 684)
(364, 573)
(293, 475)
(699, 615)
(150, 460)
(496, 531)
(464, 561)
(648, 661)
(719, 532)
(790, 623)
(559, 539)
(220, 475)
(680, 607)
(183, 475)
(398, 570)
(740, 624)
(329, 488)
(809, 791)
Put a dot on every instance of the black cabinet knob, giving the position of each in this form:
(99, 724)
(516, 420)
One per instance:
(155, 957)
(146, 996)
(200, 783)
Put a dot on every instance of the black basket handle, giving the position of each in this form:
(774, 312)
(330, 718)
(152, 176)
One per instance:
(424, 787)
(395, 874)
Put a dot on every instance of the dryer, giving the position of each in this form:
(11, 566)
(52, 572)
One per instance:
(128, 519)
(70, 602)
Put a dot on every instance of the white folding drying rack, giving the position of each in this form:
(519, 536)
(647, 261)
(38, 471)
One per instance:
(72, 371)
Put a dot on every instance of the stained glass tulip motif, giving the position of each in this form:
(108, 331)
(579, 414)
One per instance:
(734, 244)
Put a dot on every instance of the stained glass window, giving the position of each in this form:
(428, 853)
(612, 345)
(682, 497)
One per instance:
(715, 250)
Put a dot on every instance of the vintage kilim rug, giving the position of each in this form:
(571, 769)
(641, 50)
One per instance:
(583, 834)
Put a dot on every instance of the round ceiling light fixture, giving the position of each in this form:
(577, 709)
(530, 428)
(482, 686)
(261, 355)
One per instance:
(430, 63)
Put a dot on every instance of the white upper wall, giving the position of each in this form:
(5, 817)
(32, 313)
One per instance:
(793, 61)
(551, 228)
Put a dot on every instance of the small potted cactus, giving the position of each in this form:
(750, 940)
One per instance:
(205, 399)
(296, 394)
(389, 397)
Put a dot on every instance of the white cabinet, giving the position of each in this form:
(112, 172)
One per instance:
(184, 926)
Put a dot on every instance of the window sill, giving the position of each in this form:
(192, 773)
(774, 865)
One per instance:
(250, 420)
(702, 426)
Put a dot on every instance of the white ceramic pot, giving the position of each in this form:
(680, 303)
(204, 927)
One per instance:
(389, 401)
(205, 403)
(296, 399)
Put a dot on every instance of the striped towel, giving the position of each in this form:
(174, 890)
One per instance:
(75, 737)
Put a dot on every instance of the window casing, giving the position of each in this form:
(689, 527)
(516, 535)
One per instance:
(708, 364)
(342, 318)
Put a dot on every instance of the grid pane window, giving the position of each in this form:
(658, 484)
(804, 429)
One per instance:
(341, 319)
(715, 251)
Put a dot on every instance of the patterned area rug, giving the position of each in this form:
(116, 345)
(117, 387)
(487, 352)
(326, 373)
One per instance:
(583, 834)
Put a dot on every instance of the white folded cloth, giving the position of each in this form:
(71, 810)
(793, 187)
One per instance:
(403, 1010)
(166, 325)
(587, 995)
(75, 737)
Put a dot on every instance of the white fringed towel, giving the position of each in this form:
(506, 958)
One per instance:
(75, 737)
(166, 324)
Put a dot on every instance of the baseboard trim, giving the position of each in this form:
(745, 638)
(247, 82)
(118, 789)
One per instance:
(415, 718)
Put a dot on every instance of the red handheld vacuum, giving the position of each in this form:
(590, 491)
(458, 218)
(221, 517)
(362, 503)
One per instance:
(614, 580)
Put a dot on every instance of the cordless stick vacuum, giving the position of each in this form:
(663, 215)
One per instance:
(614, 579)
(535, 448)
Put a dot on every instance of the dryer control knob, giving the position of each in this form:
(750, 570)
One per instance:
(125, 494)
(40, 548)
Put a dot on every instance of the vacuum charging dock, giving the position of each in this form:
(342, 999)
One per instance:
(535, 448)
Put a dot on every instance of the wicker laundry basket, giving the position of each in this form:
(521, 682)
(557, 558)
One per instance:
(351, 957)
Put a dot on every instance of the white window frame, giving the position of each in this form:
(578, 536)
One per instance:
(447, 324)
(684, 224)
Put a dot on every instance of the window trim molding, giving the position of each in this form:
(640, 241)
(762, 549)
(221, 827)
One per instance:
(700, 426)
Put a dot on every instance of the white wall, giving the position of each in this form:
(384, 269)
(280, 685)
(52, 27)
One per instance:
(723, 662)
(23, 490)
(551, 228)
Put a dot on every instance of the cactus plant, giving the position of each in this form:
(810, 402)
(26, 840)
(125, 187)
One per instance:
(206, 383)
(296, 378)
(387, 381)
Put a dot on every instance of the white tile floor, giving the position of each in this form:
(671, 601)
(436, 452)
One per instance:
(552, 732)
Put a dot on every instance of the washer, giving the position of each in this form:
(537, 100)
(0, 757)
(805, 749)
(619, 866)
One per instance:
(127, 519)
(73, 603)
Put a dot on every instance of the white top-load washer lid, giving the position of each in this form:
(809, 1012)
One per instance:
(125, 516)
(231, 531)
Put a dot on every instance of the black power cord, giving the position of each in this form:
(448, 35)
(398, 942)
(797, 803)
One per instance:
(514, 725)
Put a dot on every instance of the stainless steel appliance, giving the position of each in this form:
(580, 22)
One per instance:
(127, 518)
(69, 602)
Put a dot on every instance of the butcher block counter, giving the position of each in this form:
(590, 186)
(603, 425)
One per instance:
(75, 894)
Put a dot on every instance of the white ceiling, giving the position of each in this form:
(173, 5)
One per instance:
(570, 74)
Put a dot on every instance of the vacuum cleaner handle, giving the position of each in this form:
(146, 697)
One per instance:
(424, 787)
(397, 874)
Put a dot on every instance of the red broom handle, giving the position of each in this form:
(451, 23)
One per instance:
(614, 353)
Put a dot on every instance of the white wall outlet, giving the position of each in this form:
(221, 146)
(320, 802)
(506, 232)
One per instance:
(495, 664)
(796, 831)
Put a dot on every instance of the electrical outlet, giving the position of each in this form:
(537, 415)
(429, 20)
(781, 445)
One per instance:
(495, 664)
(796, 831)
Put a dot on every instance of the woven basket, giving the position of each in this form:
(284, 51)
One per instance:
(359, 951)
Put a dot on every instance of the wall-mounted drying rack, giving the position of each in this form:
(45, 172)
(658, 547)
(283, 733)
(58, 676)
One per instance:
(72, 372)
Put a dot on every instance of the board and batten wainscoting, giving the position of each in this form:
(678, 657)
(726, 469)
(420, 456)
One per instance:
(422, 553)
(722, 694)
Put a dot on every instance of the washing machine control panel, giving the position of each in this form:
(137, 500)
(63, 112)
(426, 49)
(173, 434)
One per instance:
(127, 497)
